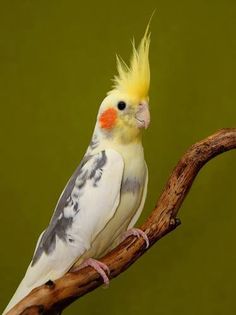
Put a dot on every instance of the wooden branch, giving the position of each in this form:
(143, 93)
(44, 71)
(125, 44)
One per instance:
(53, 297)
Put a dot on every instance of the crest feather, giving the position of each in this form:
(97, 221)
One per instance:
(134, 79)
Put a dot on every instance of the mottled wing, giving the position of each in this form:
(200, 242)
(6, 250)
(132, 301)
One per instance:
(59, 222)
(88, 202)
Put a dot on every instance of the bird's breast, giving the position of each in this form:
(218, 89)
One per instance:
(131, 192)
(130, 199)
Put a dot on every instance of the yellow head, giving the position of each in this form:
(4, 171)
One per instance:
(124, 112)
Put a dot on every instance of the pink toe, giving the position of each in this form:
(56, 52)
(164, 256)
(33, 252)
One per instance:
(102, 274)
(100, 267)
(138, 233)
(104, 267)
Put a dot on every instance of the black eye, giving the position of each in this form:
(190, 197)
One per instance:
(121, 105)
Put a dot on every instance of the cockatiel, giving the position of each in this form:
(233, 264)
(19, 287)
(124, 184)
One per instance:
(105, 196)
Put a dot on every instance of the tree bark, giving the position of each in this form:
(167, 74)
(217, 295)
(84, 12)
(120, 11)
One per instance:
(53, 297)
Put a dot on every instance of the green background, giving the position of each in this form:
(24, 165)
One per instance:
(56, 62)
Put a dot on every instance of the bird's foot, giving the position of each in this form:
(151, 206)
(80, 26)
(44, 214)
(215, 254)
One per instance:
(100, 267)
(138, 233)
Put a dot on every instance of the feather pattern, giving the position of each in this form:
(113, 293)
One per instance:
(134, 80)
(72, 230)
(106, 194)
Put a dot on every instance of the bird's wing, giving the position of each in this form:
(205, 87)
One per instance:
(140, 209)
(88, 202)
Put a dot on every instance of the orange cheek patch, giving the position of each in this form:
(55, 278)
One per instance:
(108, 118)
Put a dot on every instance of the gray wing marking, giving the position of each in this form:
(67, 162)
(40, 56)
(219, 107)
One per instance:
(94, 142)
(131, 185)
(61, 221)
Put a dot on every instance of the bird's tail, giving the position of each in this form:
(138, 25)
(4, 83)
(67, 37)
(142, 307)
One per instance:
(33, 278)
(20, 293)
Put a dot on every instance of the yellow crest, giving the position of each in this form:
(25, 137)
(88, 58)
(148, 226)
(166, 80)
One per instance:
(134, 80)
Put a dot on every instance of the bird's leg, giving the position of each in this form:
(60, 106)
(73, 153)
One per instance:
(100, 267)
(138, 233)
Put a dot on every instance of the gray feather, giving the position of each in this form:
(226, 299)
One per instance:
(60, 223)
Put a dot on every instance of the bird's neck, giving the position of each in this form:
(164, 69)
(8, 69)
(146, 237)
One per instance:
(101, 141)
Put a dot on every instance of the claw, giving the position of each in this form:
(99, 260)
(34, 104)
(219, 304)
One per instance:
(100, 267)
(138, 233)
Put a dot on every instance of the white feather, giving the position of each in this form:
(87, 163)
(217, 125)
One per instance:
(97, 206)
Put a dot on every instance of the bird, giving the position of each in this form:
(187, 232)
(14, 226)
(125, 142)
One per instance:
(105, 196)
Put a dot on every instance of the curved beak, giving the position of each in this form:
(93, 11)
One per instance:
(143, 115)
